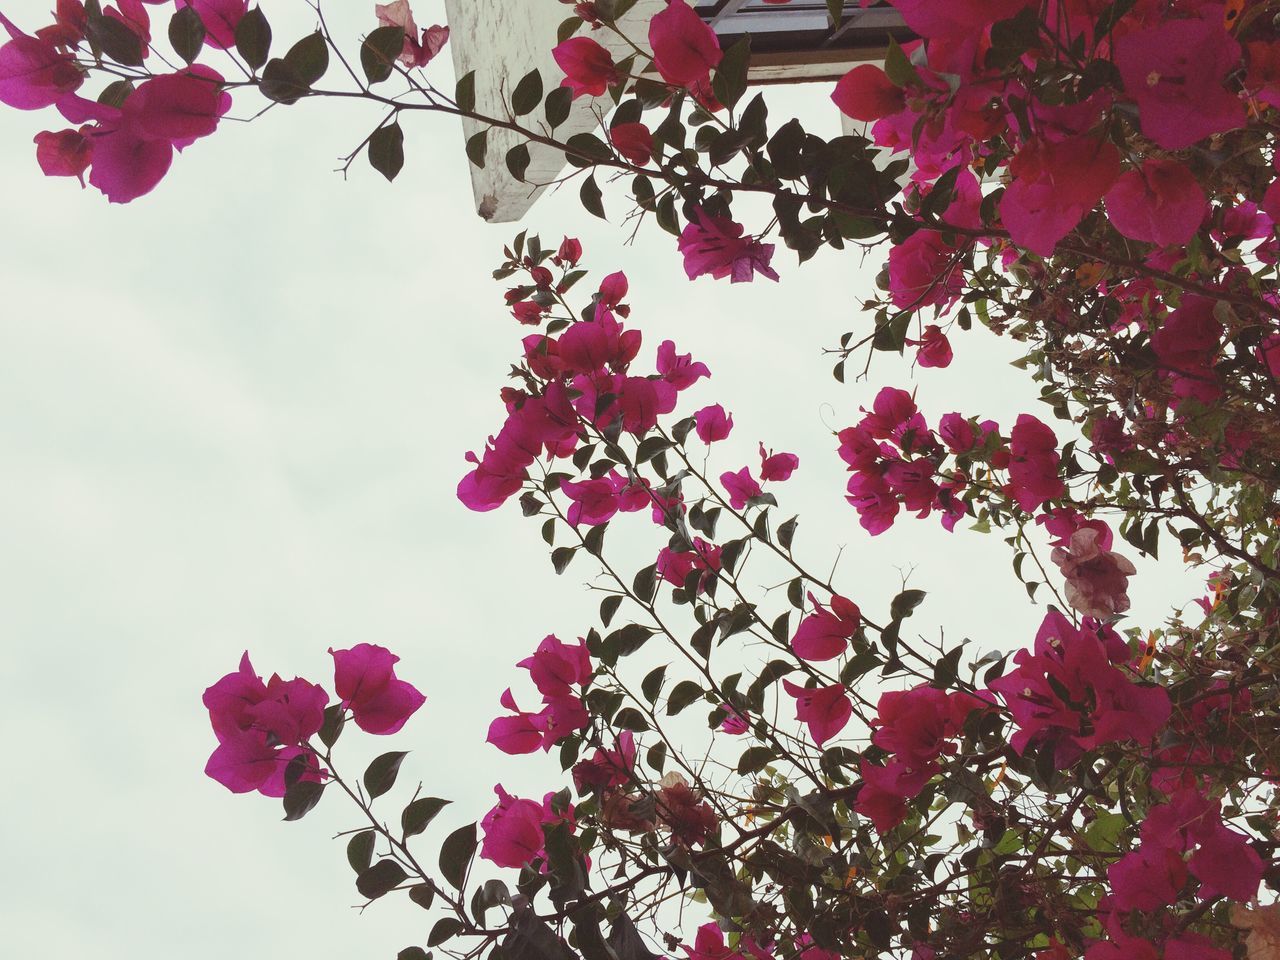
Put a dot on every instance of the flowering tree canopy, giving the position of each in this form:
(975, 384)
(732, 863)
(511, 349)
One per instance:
(1097, 181)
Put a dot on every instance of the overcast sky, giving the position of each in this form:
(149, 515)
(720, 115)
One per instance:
(232, 416)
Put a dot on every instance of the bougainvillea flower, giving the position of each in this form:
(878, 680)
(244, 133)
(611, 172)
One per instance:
(588, 67)
(557, 667)
(825, 710)
(1097, 579)
(1054, 184)
(1176, 72)
(918, 725)
(1160, 202)
(679, 369)
(66, 153)
(866, 93)
(741, 487)
(777, 466)
(518, 733)
(912, 482)
(735, 722)
(569, 253)
(1226, 865)
(685, 49)
(593, 501)
(512, 831)
(934, 347)
(874, 501)
(1033, 464)
(633, 141)
(1186, 343)
(417, 52)
(365, 680)
(676, 566)
(1123, 948)
(924, 271)
(712, 423)
(716, 246)
(956, 18)
(957, 432)
(588, 346)
(220, 19)
(1147, 878)
(682, 810)
(607, 768)
(825, 633)
(33, 73)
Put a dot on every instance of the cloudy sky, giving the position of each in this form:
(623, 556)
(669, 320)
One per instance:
(232, 416)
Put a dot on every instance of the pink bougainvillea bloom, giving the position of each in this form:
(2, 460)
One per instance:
(918, 725)
(133, 15)
(607, 768)
(958, 19)
(365, 680)
(685, 49)
(556, 667)
(521, 732)
(177, 107)
(570, 252)
(935, 348)
(633, 141)
(866, 93)
(613, 289)
(957, 432)
(1054, 184)
(1161, 202)
(874, 501)
(924, 271)
(712, 423)
(825, 710)
(1176, 72)
(417, 52)
(66, 153)
(1123, 948)
(679, 369)
(1226, 865)
(588, 67)
(716, 246)
(825, 633)
(1187, 345)
(682, 810)
(735, 723)
(33, 73)
(741, 487)
(593, 501)
(1097, 579)
(512, 831)
(1147, 878)
(777, 466)
(1033, 465)
(220, 19)
(588, 346)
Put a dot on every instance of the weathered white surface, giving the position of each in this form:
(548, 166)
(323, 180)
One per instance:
(501, 42)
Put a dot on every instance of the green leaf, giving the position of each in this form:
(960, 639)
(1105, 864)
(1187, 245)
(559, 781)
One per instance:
(755, 759)
(477, 147)
(379, 52)
(645, 584)
(629, 718)
(380, 775)
(456, 853)
(557, 106)
(360, 850)
(301, 798)
(656, 756)
(115, 40)
(561, 556)
(446, 928)
(114, 94)
(334, 721)
(419, 814)
(413, 953)
(945, 671)
(787, 532)
(528, 94)
(901, 71)
(592, 200)
(186, 33)
(905, 603)
(730, 80)
(424, 894)
(386, 150)
(253, 38)
(309, 58)
(464, 94)
(281, 83)
(608, 607)
(586, 149)
(651, 686)
(380, 879)
(518, 160)
(685, 693)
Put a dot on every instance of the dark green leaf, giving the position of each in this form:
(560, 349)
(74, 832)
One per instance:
(445, 929)
(281, 83)
(645, 584)
(360, 850)
(518, 160)
(685, 693)
(585, 149)
(386, 150)
(116, 40)
(114, 94)
(561, 556)
(380, 879)
(456, 853)
(419, 814)
(301, 798)
(905, 603)
(309, 58)
(730, 80)
(413, 953)
(424, 894)
(334, 721)
(557, 106)
(901, 71)
(755, 759)
(186, 33)
(253, 38)
(786, 533)
(593, 542)
(527, 94)
(629, 718)
(380, 776)
(464, 94)
(379, 51)
(656, 756)
(477, 147)
(651, 686)
(608, 607)
(591, 197)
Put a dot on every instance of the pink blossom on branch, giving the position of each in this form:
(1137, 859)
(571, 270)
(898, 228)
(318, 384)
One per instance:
(777, 466)
(365, 680)
(220, 19)
(824, 710)
(1097, 579)
(33, 73)
(684, 48)
(588, 67)
(712, 423)
(716, 246)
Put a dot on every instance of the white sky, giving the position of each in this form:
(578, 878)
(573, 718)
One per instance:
(232, 415)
